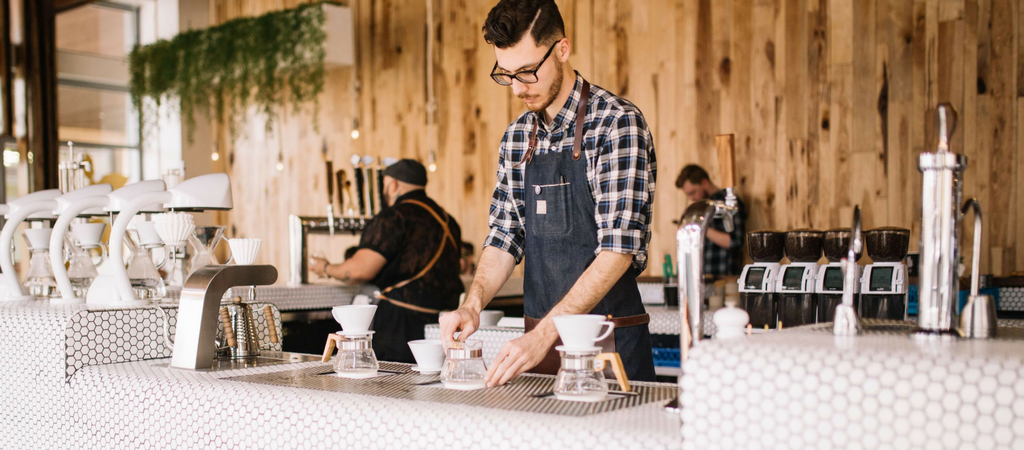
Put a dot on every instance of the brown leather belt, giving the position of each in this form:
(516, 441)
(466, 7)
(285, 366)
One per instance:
(552, 361)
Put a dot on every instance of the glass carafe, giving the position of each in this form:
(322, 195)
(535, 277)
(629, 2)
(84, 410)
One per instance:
(39, 280)
(464, 366)
(204, 240)
(356, 358)
(81, 266)
(143, 273)
(579, 378)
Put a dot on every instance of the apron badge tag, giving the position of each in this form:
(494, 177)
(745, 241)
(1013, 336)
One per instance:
(542, 207)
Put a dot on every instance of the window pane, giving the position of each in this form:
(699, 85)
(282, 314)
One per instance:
(96, 29)
(113, 165)
(96, 116)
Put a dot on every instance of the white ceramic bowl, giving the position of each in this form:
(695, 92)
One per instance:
(354, 318)
(38, 238)
(490, 318)
(89, 234)
(429, 354)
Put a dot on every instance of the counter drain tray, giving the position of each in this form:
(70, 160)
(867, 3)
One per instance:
(526, 393)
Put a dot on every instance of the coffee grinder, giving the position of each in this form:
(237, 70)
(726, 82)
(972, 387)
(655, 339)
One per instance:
(798, 304)
(884, 284)
(829, 281)
(757, 281)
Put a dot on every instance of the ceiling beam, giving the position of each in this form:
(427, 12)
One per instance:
(64, 5)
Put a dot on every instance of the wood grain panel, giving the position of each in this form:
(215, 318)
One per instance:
(830, 101)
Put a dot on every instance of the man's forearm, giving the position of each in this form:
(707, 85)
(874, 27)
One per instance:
(342, 272)
(589, 289)
(492, 272)
(721, 238)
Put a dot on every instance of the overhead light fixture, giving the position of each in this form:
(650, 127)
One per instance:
(215, 155)
(355, 128)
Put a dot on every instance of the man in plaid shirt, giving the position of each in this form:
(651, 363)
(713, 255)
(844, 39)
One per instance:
(576, 176)
(721, 249)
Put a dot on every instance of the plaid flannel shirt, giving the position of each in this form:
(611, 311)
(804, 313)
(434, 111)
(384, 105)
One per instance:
(721, 260)
(621, 170)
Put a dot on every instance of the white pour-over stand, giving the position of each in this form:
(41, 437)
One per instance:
(35, 204)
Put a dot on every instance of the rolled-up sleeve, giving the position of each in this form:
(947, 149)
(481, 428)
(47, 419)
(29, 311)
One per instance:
(506, 228)
(626, 178)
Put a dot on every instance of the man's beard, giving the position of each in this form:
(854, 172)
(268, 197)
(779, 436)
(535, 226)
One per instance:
(553, 91)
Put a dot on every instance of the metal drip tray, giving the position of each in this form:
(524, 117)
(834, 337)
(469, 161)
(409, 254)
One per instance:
(265, 359)
(527, 393)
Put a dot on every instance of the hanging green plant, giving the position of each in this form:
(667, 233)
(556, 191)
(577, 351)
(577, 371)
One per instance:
(266, 61)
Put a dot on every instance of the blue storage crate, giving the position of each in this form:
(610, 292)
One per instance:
(666, 357)
(912, 297)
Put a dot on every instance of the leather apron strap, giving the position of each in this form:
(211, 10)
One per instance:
(446, 239)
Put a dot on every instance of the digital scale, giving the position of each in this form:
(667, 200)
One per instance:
(829, 287)
(757, 293)
(884, 287)
(798, 304)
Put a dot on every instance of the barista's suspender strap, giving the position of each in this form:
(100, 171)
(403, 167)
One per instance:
(447, 238)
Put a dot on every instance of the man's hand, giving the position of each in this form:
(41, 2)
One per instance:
(318, 266)
(518, 356)
(464, 320)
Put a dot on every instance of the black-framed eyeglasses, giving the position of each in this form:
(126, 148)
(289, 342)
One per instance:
(525, 76)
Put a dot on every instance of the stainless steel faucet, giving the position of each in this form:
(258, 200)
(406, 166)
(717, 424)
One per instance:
(199, 308)
(301, 226)
(690, 253)
(846, 322)
(941, 225)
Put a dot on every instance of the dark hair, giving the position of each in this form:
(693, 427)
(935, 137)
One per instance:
(509, 21)
(467, 249)
(692, 173)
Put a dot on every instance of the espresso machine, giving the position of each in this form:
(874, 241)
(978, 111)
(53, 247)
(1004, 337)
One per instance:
(829, 282)
(884, 284)
(757, 281)
(798, 304)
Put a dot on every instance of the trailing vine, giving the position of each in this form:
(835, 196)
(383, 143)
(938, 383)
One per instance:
(266, 61)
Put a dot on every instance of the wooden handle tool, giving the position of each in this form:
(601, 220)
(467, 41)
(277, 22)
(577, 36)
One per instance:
(329, 347)
(617, 368)
(725, 144)
(268, 313)
(229, 334)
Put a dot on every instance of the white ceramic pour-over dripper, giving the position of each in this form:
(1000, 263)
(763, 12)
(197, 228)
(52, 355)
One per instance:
(244, 251)
(148, 236)
(38, 238)
(354, 318)
(88, 234)
(174, 228)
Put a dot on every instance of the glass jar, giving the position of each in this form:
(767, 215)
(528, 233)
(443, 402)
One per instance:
(579, 378)
(356, 358)
(464, 367)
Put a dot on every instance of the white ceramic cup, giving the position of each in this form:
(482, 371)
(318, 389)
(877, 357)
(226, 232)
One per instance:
(354, 318)
(38, 238)
(244, 251)
(429, 354)
(88, 234)
(490, 318)
(148, 234)
(581, 331)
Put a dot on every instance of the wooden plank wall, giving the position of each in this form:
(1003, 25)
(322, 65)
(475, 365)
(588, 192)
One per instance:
(831, 102)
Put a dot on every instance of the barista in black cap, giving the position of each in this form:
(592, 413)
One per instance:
(411, 250)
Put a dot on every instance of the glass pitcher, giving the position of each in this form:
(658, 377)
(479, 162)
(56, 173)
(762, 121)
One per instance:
(39, 280)
(464, 366)
(81, 265)
(143, 273)
(355, 358)
(578, 378)
(204, 240)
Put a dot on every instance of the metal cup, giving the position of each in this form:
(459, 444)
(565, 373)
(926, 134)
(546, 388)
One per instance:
(978, 319)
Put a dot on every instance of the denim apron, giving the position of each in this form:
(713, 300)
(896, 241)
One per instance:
(561, 236)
